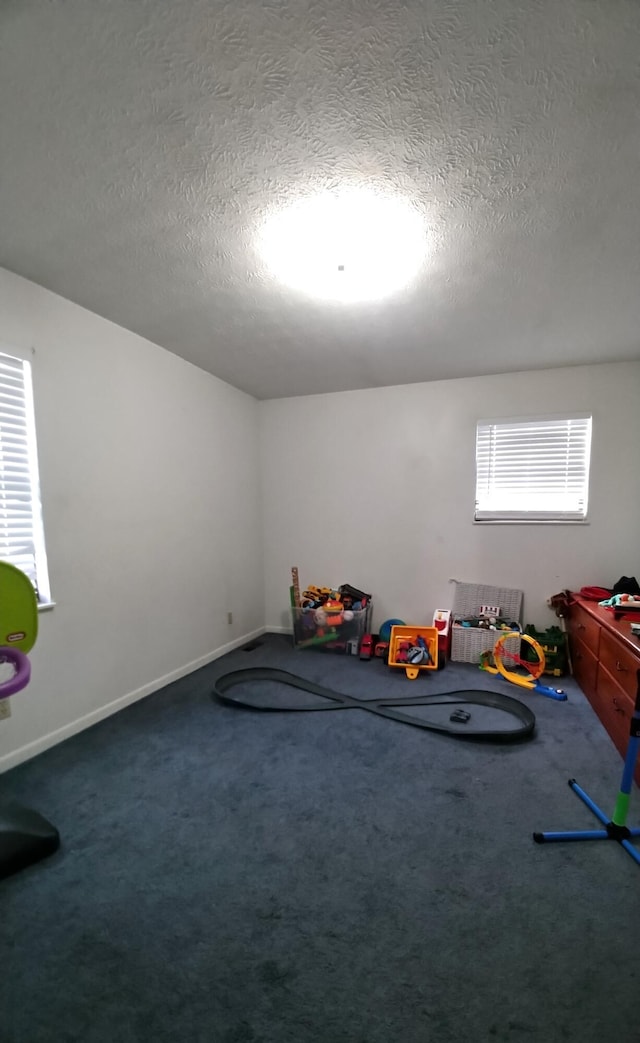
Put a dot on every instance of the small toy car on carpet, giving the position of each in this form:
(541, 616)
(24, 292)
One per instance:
(366, 647)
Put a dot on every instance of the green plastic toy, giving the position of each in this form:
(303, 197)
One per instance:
(18, 609)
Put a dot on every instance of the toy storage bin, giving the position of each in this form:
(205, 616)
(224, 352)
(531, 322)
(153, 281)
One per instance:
(468, 643)
(402, 634)
(334, 639)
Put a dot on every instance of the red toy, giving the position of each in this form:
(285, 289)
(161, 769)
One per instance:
(402, 652)
(366, 647)
(442, 623)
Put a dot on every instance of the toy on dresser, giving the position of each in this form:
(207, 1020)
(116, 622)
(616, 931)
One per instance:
(622, 605)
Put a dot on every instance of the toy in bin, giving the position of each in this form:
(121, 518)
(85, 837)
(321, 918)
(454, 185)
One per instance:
(413, 649)
(332, 618)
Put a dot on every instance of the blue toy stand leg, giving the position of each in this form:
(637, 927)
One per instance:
(615, 828)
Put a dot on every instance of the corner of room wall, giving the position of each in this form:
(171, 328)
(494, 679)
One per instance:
(150, 480)
(385, 500)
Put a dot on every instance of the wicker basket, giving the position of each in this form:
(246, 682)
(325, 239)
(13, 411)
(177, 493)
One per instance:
(468, 643)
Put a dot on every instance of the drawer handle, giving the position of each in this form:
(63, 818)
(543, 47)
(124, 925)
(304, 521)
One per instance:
(581, 626)
(618, 708)
(620, 668)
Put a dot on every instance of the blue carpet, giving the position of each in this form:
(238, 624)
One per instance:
(228, 876)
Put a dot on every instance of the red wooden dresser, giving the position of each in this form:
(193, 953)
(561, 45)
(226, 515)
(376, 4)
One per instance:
(606, 660)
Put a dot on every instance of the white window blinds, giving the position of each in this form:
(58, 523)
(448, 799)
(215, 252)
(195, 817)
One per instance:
(533, 469)
(21, 533)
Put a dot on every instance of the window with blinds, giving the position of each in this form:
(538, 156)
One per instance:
(21, 529)
(533, 469)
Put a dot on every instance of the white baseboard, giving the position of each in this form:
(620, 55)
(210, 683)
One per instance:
(32, 749)
(278, 630)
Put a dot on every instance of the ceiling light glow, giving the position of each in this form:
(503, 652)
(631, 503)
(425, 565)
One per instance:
(353, 245)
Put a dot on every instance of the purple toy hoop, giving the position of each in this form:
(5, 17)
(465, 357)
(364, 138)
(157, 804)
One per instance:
(23, 671)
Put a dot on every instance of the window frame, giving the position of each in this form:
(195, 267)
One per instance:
(535, 516)
(42, 584)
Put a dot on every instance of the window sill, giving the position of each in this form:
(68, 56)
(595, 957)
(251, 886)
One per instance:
(530, 521)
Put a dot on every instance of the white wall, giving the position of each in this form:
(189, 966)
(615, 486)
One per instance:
(150, 486)
(376, 488)
(151, 477)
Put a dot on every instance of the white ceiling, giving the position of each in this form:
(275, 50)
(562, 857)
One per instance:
(141, 145)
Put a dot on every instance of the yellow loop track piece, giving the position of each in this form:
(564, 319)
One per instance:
(535, 669)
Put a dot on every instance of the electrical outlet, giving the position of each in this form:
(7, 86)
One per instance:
(5, 709)
(229, 617)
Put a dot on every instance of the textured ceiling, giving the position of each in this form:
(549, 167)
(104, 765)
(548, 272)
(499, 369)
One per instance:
(142, 144)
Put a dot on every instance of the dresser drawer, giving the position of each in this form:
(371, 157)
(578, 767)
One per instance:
(621, 663)
(585, 628)
(615, 710)
(585, 667)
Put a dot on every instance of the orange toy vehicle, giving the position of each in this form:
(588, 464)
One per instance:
(334, 610)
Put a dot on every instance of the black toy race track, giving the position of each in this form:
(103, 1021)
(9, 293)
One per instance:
(391, 708)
